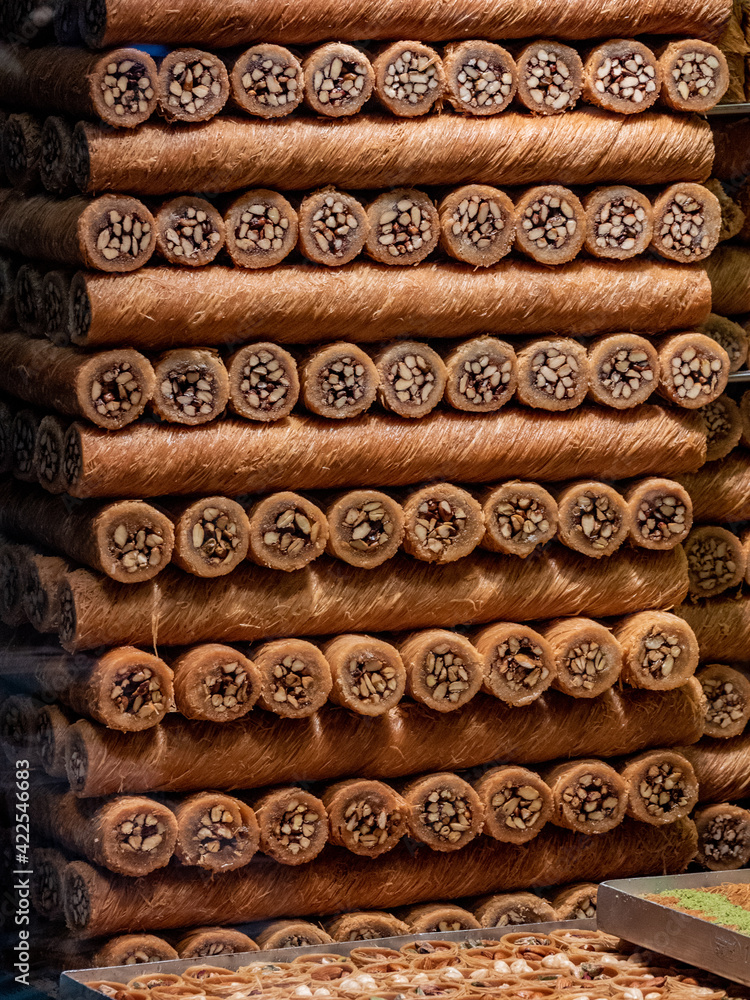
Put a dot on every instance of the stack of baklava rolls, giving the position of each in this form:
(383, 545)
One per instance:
(346, 510)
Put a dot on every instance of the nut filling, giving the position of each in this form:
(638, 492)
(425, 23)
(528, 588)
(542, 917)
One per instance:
(36, 599)
(291, 680)
(25, 299)
(726, 705)
(479, 220)
(126, 87)
(555, 373)
(619, 224)
(48, 887)
(718, 425)
(710, 564)
(520, 663)
(265, 381)
(261, 227)
(116, 391)
(23, 446)
(370, 680)
(136, 548)
(333, 227)
(142, 832)
(412, 378)
(271, 82)
(136, 692)
(439, 523)
(72, 459)
(549, 222)
(518, 806)
(339, 82)
(693, 374)
(596, 519)
(659, 653)
(694, 74)
(68, 616)
(191, 233)
(661, 790)
(591, 799)
(484, 380)
(624, 372)
(629, 78)
(369, 827)
(403, 229)
(484, 82)
(343, 382)
(411, 77)
(724, 837)
(296, 827)
(123, 236)
(548, 80)
(369, 526)
(445, 673)
(226, 687)
(661, 518)
(584, 664)
(520, 519)
(447, 815)
(55, 308)
(215, 536)
(81, 313)
(584, 908)
(80, 904)
(215, 833)
(681, 230)
(15, 150)
(191, 390)
(192, 83)
(292, 532)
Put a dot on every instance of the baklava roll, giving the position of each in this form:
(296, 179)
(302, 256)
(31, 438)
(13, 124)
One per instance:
(443, 669)
(518, 518)
(661, 785)
(550, 77)
(593, 519)
(587, 656)
(727, 693)
(723, 837)
(215, 832)
(519, 664)
(516, 802)
(514, 908)
(368, 674)
(295, 677)
(366, 528)
(660, 651)
(623, 76)
(442, 523)
(444, 811)
(716, 560)
(366, 817)
(477, 224)
(589, 796)
(293, 826)
(215, 683)
(286, 532)
(263, 382)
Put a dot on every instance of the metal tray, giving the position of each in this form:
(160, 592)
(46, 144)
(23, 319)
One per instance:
(743, 376)
(729, 109)
(73, 984)
(621, 910)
